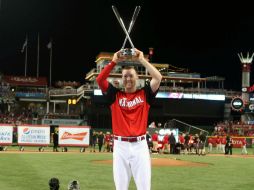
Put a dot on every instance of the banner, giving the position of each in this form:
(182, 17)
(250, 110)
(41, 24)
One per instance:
(33, 135)
(6, 134)
(163, 132)
(74, 136)
(25, 81)
(236, 141)
(69, 122)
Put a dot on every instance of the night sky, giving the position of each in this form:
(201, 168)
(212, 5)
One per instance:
(204, 38)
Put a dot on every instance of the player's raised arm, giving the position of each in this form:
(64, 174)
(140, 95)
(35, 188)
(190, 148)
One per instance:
(156, 75)
(102, 77)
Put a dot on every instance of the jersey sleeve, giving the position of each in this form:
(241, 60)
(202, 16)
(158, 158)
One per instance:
(102, 77)
(110, 94)
(150, 95)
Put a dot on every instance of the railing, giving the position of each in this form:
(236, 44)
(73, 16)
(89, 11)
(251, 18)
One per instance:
(198, 90)
(62, 92)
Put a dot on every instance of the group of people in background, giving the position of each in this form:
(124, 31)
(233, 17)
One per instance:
(187, 143)
(224, 144)
(104, 141)
(233, 128)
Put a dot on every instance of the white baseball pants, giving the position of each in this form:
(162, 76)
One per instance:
(131, 159)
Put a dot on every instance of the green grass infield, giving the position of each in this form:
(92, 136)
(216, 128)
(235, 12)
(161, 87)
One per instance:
(31, 170)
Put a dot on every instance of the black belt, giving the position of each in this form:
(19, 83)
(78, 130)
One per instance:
(130, 139)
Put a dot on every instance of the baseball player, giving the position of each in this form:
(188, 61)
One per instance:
(244, 150)
(129, 111)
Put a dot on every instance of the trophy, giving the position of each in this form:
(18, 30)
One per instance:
(127, 53)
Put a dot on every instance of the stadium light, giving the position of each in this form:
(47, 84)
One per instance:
(72, 101)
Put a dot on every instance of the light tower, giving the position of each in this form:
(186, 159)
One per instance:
(246, 69)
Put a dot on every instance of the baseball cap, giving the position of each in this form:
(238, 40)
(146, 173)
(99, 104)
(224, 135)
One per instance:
(73, 185)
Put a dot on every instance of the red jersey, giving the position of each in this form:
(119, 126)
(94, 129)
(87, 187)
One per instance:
(107, 137)
(223, 140)
(165, 139)
(218, 140)
(181, 139)
(155, 137)
(129, 111)
(210, 140)
(244, 142)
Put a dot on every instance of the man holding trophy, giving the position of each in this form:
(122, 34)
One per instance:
(129, 111)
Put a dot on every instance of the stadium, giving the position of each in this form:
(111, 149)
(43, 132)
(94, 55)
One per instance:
(186, 103)
(56, 132)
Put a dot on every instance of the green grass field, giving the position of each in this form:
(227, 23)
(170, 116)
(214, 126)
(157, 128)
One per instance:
(32, 171)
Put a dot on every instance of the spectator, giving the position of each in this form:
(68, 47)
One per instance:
(155, 142)
(201, 144)
(223, 144)
(149, 141)
(228, 147)
(165, 144)
(181, 141)
(100, 140)
(55, 141)
(210, 145)
(74, 185)
(172, 142)
(186, 143)
(244, 150)
(218, 144)
(152, 125)
(107, 141)
(94, 141)
(54, 184)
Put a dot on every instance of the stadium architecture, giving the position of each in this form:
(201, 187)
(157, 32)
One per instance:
(182, 95)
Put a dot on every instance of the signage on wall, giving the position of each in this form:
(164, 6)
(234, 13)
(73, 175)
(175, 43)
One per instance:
(244, 89)
(251, 107)
(237, 104)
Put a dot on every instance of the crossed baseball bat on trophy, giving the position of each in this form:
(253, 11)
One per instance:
(127, 52)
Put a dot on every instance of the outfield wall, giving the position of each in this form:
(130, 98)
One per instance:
(236, 141)
(39, 135)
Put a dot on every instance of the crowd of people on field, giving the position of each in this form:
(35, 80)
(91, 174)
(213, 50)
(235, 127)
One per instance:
(186, 143)
(224, 144)
(103, 140)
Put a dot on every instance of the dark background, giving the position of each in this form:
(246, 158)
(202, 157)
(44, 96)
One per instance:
(196, 112)
(203, 37)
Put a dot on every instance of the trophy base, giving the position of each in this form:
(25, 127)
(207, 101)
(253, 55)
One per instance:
(127, 53)
(129, 57)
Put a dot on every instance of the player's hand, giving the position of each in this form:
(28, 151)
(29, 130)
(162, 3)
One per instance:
(117, 57)
(139, 55)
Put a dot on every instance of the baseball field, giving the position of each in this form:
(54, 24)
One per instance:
(31, 170)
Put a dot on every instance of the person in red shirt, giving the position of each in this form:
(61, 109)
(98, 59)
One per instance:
(165, 146)
(210, 145)
(181, 141)
(218, 144)
(223, 144)
(129, 112)
(244, 150)
(107, 142)
(155, 142)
